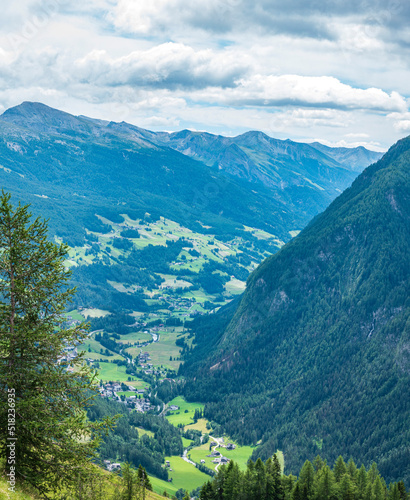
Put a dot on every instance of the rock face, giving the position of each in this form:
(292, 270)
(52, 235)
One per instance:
(316, 355)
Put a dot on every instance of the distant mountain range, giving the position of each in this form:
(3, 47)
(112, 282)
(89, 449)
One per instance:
(70, 168)
(315, 358)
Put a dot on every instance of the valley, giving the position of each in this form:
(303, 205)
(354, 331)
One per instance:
(198, 341)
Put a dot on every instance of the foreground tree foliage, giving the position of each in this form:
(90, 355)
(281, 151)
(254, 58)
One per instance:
(317, 481)
(54, 440)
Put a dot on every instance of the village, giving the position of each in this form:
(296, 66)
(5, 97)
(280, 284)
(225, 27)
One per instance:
(134, 401)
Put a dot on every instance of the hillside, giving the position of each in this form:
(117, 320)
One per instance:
(316, 357)
(104, 184)
(94, 166)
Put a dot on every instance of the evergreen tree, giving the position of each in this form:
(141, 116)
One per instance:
(402, 490)
(130, 483)
(368, 494)
(351, 468)
(278, 492)
(49, 399)
(207, 492)
(361, 482)
(232, 482)
(306, 479)
(297, 493)
(143, 480)
(259, 486)
(339, 469)
(394, 493)
(378, 490)
(347, 488)
(325, 488)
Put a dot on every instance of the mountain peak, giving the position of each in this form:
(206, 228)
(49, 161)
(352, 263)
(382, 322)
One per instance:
(42, 118)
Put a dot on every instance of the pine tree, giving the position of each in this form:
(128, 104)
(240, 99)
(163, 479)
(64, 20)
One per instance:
(378, 490)
(351, 468)
(394, 493)
(297, 493)
(361, 481)
(347, 490)
(326, 485)
(306, 479)
(339, 469)
(207, 492)
(55, 442)
(232, 481)
(143, 481)
(259, 487)
(402, 490)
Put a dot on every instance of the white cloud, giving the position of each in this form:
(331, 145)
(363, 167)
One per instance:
(307, 118)
(166, 65)
(148, 18)
(297, 69)
(342, 143)
(296, 90)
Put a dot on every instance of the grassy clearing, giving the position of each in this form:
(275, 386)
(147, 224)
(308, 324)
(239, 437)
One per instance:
(134, 337)
(281, 459)
(161, 351)
(94, 313)
(200, 453)
(185, 475)
(137, 383)
(143, 432)
(199, 426)
(294, 233)
(235, 286)
(186, 442)
(26, 493)
(159, 486)
(240, 454)
(75, 315)
(179, 416)
(112, 372)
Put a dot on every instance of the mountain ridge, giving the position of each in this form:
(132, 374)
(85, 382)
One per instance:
(70, 157)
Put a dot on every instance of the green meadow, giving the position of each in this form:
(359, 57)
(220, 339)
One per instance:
(185, 475)
(185, 414)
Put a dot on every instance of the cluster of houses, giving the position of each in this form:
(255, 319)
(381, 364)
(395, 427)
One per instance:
(217, 458)
(134, 400)
(143, 359)
(69, 355)
(112, 467)
(70, 321)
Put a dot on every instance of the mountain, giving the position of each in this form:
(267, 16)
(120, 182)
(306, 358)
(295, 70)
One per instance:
(278, 164)
(357, 159)
(100, 167)
(100, 182)
(70, 168)
(315, 358)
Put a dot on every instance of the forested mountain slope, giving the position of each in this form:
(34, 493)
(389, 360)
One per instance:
(317, 355)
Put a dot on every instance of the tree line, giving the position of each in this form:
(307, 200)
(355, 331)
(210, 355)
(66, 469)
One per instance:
(316, 481)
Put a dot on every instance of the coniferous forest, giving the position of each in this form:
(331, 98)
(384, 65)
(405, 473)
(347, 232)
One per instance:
(316, 481)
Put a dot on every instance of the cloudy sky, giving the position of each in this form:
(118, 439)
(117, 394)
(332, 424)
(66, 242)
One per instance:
(334, 71)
